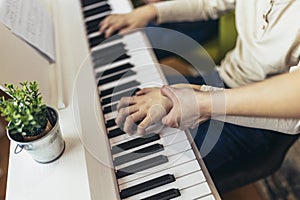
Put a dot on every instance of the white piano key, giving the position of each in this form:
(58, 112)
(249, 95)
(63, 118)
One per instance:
(97, 16)
(167, 131)
(95, 34)
(122, 138)
(170, 150)
(111, 115)
(120, 6)
(162, 129)
(100, 69)
(186, 181)
(176, 148)
(173, 161)
(195, 192)
(174, 138)
(107, 43)
(136, 41)
(177, 171)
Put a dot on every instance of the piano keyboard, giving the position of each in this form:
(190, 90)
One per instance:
(161, 165)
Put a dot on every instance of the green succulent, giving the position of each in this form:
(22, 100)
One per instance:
(25, 110)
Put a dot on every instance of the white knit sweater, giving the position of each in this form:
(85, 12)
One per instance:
(268, 40)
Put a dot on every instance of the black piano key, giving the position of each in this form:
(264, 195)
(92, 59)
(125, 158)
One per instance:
(135, 143)
(93, 25)
(141, 166)
(110, 108)
(116, 77)
(117, 97)
(148, 185)
(138, 154)
(117, 69)
(115, 132)
(107, 56)
(166, 195)
(94, 41)
(113, 49)
(131, 84)
(101, 39)
(109, 59)
(107, 109)
(90, 2)
(110, 123)
(98, 10)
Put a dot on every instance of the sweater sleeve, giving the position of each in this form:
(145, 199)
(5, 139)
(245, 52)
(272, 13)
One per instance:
(191, 10)
(283, 125)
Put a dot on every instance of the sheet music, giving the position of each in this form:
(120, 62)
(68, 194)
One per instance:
(29, 20)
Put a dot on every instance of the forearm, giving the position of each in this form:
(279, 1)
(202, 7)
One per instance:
(191, 10)
(185, 85)
(276, 97)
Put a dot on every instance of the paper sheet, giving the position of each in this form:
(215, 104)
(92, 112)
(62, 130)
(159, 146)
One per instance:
(29, 20)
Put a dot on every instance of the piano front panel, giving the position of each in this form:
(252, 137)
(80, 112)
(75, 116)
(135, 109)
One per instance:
(79, 93)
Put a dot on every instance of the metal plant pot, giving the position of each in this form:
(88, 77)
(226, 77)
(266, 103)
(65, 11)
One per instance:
(47, 148)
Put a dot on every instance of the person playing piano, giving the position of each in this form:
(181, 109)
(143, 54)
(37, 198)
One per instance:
(268, 43)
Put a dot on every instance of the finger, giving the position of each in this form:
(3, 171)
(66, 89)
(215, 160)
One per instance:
(127, 30)
(138, 116)
(170, 121)
(126, 101)
(111, 30)
(154, 115)
(130, 125)
(104, 24)
(124, 113)
(143, 91)
(143, 125)
(112, 25)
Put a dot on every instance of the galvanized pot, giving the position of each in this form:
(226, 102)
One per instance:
(49, 147)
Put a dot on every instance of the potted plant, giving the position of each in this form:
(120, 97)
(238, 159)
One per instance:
(31, 124)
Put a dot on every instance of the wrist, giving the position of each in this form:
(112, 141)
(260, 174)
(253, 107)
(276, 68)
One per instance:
(204, 103)
(149, 12)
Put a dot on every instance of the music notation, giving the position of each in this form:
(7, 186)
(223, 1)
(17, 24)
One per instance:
(30, 21)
